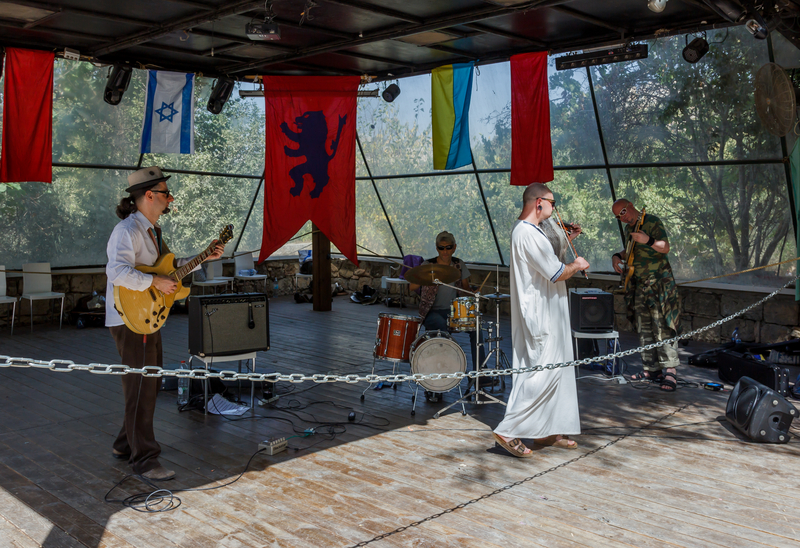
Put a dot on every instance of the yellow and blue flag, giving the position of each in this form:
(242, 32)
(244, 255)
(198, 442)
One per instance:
(451, 90)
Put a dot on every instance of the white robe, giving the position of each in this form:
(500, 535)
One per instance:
(543, 403)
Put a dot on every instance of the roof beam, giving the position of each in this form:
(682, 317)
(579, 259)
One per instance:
(589, 19)
(82, 12)
(510, 35)
(378, 10)
(375, 58)
(178, 24)
(453, 51)
(437, 23)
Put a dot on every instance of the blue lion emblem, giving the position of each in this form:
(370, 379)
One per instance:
(312, 138)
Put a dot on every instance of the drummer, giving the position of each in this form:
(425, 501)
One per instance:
(435, 300)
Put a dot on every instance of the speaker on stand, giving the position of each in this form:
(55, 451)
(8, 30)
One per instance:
(759, 412)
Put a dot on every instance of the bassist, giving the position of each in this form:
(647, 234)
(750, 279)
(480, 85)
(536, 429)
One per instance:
(651, 296)
(136, 241)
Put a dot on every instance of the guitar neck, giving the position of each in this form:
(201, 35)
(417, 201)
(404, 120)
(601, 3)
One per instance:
(191, 265)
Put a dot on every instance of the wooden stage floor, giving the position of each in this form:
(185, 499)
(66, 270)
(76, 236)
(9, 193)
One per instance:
(653, 469)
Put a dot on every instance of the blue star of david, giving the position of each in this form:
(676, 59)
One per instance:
(168, 108)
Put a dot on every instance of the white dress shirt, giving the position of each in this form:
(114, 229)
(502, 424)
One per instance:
(129, 246)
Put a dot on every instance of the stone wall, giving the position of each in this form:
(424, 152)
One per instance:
(770, 322)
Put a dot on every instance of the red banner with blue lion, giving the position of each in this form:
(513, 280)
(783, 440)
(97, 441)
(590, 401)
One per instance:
(310, 171)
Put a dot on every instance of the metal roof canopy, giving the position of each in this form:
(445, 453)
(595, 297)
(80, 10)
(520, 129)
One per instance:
(381, 38)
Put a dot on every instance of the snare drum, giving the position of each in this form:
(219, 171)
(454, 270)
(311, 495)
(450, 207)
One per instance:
(395, 335)
(463, 314)
(437, 352)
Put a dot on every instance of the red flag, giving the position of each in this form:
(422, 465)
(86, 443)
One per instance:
(531, 149)
(310, 159)
(27, 153)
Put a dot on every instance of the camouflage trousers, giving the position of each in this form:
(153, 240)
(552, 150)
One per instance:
(652, 328)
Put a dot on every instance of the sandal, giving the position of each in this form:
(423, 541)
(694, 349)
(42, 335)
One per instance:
(669, 382)
(515, 447)
(557, 441)
(654, 376)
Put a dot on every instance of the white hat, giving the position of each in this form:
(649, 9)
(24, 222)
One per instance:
(145, 178)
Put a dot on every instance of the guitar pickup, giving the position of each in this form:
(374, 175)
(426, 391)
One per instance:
(153, 294)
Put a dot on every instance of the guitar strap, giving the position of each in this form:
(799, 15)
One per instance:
(155, 235)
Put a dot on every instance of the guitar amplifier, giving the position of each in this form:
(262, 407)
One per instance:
(224, 325)
(591, 311)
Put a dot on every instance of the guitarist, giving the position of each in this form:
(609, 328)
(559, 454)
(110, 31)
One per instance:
(136, 241)
(651, 299)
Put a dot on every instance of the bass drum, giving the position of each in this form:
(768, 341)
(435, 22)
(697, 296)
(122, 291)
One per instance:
(437, 352)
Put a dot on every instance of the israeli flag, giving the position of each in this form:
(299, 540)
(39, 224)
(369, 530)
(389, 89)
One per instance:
(168, 113)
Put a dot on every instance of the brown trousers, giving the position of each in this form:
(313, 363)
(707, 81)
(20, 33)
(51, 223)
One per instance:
(137, 437)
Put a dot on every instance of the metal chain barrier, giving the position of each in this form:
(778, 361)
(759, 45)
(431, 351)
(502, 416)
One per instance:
(65, 366)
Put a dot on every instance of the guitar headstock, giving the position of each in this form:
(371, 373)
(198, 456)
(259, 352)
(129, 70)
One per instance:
(226, 234)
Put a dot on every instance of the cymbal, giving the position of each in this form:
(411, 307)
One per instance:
(497, 296)
(425, 274)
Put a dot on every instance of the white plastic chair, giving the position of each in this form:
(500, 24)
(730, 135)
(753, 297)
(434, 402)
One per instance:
(245, 262)
(211, 278)
(5, 299)
(37, 285)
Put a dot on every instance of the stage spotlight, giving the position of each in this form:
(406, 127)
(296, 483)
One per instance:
(391, 93)
(220, 94)
(759, 25)
(657, 5)
(117, 83)
(731, 10)
(695, 50)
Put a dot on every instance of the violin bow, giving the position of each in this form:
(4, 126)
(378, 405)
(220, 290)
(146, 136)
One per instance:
(571, 246)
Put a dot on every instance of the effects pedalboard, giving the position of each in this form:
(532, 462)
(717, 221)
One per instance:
(274, 446)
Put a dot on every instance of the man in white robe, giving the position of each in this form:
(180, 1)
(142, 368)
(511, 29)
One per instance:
(543, 406)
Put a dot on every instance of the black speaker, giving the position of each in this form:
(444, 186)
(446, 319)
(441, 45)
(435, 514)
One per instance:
(759, 412)
(591, 312)
(223, 325)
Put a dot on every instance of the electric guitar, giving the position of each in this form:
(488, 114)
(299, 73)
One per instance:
(144, 312)
(626, 265)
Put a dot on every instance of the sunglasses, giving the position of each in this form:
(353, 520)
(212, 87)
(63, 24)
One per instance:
(621, 213)
(552, 202)
(443, 247)
(167, 193)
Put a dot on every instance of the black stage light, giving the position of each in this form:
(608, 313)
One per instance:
(220, 94)
(117, 83)
(731, 10)
(602, 57)
(391, 93)
(695, 50)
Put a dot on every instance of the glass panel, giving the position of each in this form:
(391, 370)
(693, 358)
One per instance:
(86, 129)
(254, 231)
(663, 109)
(572, 121)
(372, 229)
(66, 223)
(583, 197)
(396, 136)
(203, 205)
(787, 55)
(451, 203)
(573, 124)
(719, 220)
(231, 142)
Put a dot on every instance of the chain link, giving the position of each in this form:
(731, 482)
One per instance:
(66, 366)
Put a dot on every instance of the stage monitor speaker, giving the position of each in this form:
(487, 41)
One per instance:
(759, 412)
(591, 311)
(224, 325)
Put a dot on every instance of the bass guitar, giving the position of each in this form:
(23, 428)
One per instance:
(144, 312)
(626, 264)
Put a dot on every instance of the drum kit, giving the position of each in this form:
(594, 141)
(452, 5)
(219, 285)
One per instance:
(398, 340)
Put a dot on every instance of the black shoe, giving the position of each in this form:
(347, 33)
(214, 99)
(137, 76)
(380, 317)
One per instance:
(121, 456)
